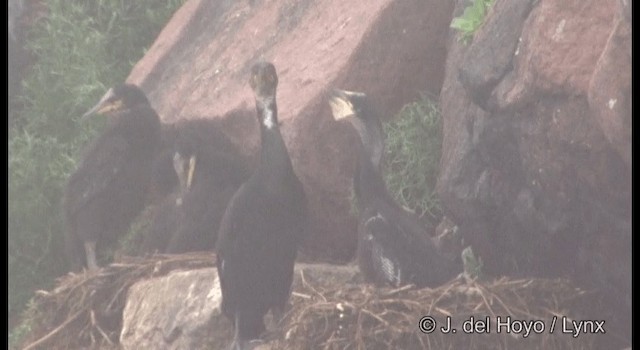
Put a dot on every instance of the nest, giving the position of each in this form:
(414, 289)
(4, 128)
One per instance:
(365, 317)
(85, 309)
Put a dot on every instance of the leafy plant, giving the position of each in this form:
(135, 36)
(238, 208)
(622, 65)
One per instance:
(80, 49)
(471, 19)
(413, 140)
(412, 156)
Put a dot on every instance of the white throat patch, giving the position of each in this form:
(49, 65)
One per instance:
(268, 120)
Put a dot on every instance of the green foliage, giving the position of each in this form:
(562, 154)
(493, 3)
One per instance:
(472, 265)
(412, 156)
(20, 333)
(81, 48)
(471, 19)
(413, 139)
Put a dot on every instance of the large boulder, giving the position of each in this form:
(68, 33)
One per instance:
(182, 309)
(176, 311)
(536, 146)
(391, 49)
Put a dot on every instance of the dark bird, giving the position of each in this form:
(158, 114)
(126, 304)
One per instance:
(208, 180)
(262, 226)
(208, 170)
(109, 188)
(393, 247)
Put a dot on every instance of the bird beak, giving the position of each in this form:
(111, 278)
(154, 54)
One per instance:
(341, 106)
(192, 167)
(104, 105)
(178, 167)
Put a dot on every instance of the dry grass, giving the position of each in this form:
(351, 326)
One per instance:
(363, 317)
(85, 311)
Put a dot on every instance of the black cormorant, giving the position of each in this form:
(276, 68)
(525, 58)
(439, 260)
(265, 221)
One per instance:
(262, 226)
(393, 247)
(208, 169)
(208, 180)
(109, 188)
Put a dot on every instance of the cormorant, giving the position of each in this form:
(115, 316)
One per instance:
(108, 189)
(262, 226)
(208, 180)
(208, 170)
(393, 247)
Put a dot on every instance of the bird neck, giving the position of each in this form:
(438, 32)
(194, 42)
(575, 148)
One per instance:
(370, 131)
(267, 112)
(368, 184)
(275, 163)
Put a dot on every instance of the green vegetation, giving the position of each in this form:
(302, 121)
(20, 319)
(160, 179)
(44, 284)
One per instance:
(412, 156)
(413, 139)
(471, 19)
(472, 265)
(81, 48)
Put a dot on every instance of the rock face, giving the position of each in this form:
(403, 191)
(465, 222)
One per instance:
(391, 49)
(536, 165)
(181, 310)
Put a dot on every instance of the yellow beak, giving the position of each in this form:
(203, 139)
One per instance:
(192, 167)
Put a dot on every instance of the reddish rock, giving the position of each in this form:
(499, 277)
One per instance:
(535, 165)
(559, 47)
(391, 49)
(610, 85)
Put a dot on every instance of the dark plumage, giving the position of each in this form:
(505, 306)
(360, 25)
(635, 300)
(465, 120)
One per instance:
(262, 226)
(393, 247)
(109, 188)
(208, 170)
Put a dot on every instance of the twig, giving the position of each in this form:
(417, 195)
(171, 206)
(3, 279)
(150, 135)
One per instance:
(53, 332)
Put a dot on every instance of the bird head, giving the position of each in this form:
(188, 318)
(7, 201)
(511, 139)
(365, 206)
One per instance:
(345, 104)
(355, 107)
(264, 79)
(117, 99)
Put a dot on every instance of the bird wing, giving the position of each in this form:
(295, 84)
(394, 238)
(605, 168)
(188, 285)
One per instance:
(383, 254)
(99, 168)
(401, 255)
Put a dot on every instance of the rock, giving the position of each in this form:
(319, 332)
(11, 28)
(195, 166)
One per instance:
(181, 310)
(177, 311)
(610, 85)
(560, 44)
(491, 54)
(392, 49)
(535, 168)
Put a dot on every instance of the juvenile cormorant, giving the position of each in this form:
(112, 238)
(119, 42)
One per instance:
(108, 189)
(208, 170)
(262, 226)
(393, 247)
(208, 180)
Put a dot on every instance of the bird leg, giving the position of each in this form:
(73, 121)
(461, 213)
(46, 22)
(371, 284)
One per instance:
(90, 250)
(242, 344)
(277, 314)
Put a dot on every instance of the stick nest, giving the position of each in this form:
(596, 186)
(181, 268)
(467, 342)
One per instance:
(84, 311)
(365, 317)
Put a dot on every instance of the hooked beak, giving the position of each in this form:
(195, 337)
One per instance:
(192, 167)
(341, 106)
(104, 105)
